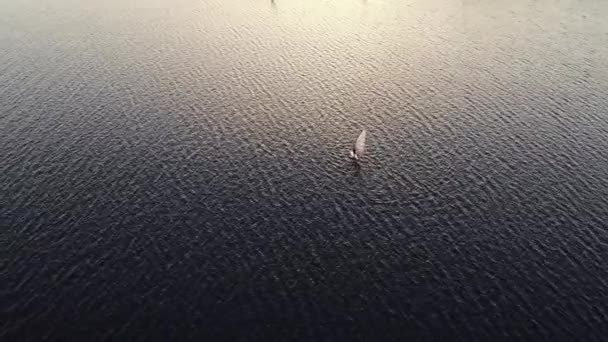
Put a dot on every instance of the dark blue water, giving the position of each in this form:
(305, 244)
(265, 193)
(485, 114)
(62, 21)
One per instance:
(177, 170)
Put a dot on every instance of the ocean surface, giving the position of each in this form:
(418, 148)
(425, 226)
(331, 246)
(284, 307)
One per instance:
(178, 170)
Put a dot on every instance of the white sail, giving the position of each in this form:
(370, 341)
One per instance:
(359, 149)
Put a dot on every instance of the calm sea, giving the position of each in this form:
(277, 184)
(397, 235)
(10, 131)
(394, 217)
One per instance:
(178, 170)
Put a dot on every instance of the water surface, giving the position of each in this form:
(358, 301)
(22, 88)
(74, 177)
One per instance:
(178, 170)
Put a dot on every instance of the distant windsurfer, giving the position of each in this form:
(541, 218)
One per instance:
(357, 152)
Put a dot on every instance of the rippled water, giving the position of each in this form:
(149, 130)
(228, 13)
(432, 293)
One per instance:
(178, 170)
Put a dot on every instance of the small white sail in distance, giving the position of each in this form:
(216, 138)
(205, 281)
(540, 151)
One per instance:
(359, 148)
